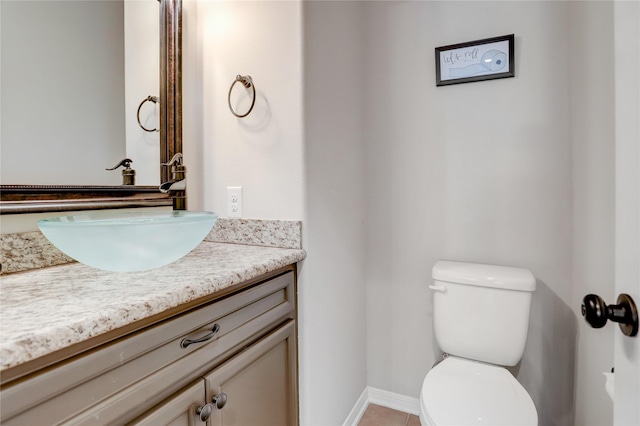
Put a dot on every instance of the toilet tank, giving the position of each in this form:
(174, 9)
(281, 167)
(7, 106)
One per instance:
(481, 312)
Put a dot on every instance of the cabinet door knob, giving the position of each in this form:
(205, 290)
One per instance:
(220, 400)
(204, 412)
(625, 313)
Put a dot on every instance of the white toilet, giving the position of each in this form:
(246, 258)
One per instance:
(481, 318)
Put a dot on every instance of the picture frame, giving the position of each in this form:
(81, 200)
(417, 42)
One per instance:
(478, 60)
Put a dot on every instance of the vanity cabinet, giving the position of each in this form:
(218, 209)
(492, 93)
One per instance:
(256, 387)
(242, 345)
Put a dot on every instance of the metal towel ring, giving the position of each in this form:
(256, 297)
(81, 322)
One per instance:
(149, 98)
(247, 82)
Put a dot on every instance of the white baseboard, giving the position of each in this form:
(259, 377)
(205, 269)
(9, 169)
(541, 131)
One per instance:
(394, 400)
(384, 398)
(358, 410)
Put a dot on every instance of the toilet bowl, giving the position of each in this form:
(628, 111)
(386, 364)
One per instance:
(459, 392)
(481, 320)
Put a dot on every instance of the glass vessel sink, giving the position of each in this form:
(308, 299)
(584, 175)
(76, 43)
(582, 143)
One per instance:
(131, 241)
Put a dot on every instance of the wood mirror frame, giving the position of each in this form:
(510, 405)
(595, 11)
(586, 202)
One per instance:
(16, 199)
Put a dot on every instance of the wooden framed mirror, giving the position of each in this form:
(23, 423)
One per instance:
(36, 198)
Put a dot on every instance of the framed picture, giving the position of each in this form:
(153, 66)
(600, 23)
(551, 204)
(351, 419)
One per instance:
(478, 60)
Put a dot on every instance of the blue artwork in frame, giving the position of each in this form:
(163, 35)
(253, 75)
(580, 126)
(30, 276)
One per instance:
(478, 60)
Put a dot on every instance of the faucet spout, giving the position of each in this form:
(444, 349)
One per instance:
(174, 185)
(177, 186)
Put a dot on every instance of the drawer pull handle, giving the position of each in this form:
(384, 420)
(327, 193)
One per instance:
(186, 342)
(220, 400)
(204, 412)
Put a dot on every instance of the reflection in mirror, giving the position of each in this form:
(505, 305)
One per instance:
(63, 187)
(73, 76)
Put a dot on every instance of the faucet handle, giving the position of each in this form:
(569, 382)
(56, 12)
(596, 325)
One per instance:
(176, 160)
(126, 163)
(128, 174)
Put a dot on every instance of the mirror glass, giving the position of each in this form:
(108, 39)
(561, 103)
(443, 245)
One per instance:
(73, 74)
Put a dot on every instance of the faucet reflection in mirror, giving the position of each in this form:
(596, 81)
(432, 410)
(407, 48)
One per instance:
(128, 174)
(177, 185)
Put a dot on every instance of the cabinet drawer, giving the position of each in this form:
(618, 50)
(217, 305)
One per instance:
(104, 385)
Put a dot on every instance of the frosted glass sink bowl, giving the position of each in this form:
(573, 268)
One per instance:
(131, 241)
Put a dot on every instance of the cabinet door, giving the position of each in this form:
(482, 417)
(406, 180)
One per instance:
(260, 383)
(179, 410)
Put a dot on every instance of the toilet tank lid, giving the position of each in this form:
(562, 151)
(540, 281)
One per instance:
(502, 277)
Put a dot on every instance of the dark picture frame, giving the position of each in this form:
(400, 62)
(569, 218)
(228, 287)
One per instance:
(479, 60)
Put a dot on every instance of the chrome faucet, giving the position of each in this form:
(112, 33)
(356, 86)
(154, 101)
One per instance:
(177, 186)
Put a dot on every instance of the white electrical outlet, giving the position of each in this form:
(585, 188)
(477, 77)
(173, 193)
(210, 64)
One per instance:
(234, 201)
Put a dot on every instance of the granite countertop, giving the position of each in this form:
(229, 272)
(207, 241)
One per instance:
(48, 309)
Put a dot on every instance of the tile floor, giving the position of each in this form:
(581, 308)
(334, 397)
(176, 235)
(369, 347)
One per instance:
(375, 415)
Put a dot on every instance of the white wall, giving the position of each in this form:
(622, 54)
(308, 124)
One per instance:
(62, 92)
(262, 152)
(332, 289)
(593, 135)
(480, 172)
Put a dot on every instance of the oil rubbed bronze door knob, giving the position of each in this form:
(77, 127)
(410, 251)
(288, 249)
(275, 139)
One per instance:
(596, 312)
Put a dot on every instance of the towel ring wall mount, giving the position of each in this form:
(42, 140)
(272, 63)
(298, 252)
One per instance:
(248, 83)
(149, 98)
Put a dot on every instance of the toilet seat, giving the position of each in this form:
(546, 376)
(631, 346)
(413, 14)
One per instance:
(458, 392)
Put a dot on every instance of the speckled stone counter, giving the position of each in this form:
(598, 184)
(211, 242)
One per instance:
(45, 310)
(31, 250)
